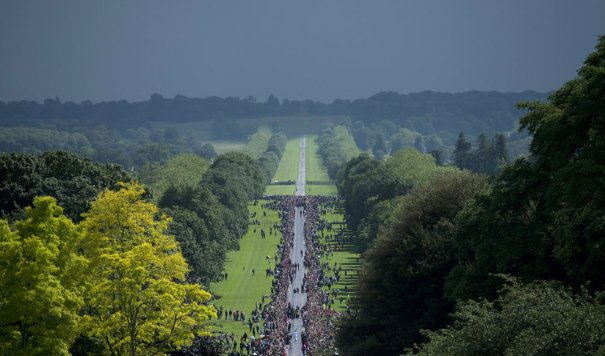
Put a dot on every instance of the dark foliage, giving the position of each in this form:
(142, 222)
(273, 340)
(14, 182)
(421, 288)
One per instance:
(72, 180)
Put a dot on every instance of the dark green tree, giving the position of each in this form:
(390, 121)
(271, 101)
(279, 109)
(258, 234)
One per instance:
(72, 180)
(206, 151)
(462, 152)
(401, 288)
(536, 319)
(542, 219)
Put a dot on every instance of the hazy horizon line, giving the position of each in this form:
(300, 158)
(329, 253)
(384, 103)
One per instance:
(257, 100)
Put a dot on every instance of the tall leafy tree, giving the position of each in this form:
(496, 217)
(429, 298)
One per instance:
(401, 288)
(137, 299)
(185, 169)
(235, 179)
(462, 152)
(41, 284)
(544, 218)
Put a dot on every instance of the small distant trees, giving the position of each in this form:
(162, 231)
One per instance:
(207, 152)
(487, 159)
(462, 152)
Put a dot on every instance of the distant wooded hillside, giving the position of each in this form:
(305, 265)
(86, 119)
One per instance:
(427, 112)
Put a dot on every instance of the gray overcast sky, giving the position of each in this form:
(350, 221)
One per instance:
(305, 49)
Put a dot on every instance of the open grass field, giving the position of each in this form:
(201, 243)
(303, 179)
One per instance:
(242, 289)
(287, 169)
(315, 171)
(223, 146)
(345, 256)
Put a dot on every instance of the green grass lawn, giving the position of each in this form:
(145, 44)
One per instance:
(289, 189)
(223, 146)
(346, 256)
(287, 169)
(315, 171)
(241, 290)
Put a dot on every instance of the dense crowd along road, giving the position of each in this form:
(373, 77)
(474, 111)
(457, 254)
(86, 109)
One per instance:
(297, 297)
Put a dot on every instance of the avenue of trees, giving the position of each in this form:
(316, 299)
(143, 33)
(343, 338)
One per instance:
(335, 146)
(460, 264)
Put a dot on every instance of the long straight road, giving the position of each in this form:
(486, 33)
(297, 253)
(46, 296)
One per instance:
(297, 256)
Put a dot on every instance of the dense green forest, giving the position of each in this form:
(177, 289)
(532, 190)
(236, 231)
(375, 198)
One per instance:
(461, 264)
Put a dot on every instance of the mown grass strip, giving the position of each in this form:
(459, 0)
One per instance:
(287, 170)
(242, 288)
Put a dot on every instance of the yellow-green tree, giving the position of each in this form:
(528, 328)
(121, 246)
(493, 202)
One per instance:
(138, 301)
(40, 282)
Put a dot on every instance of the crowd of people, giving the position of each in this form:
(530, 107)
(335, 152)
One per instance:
(276, 313)
(274, 336)
(317, 317)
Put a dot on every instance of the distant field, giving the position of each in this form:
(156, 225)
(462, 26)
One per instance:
(315, 171)
(280, 189)
(242, 289)
(293, 126)
(228, 146)
(287, 169)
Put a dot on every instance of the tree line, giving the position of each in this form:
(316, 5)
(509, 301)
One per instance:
(335, 146)
(486, 159)
(132, 148)
(426, 112)
(459, 264)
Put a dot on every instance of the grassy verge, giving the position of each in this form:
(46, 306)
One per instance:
(242, 289)
(287, 170)
(224, 146)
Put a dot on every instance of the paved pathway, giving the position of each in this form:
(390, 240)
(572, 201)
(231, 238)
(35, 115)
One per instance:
(300, 183)
(298, 299)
